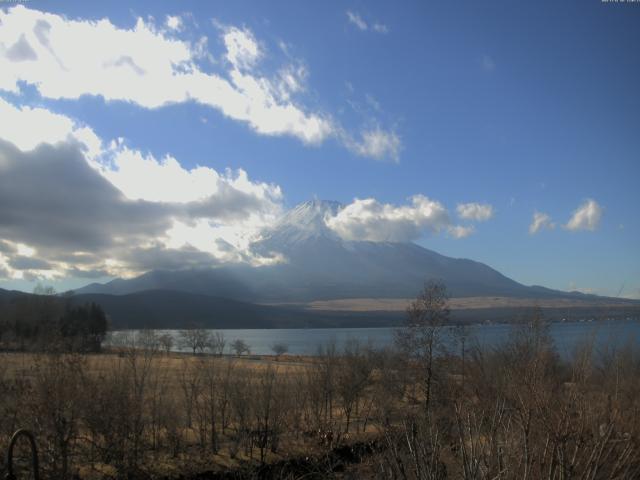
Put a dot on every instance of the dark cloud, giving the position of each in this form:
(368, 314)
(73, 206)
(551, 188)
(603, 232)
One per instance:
(6, 247)
(228, 203)
(51, 199)
(92, 273)
(225, 246)
(4, 273)
(159, 257)
(20, 262)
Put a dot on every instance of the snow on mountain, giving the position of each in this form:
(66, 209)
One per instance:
(301, 224)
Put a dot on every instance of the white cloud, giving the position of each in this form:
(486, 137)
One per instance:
(371, 220)
(167, 181)
(120, 65)
(27, 127)
(362, 25)
(291, 81)
(174, 22)
(540, 221)
(375, 143)
(586, 217)
(380, 28)
(238, 206)
(477, 212)
(149, 68)
(152, 68)
(357, 20)
(460, 231)
(243, 51)
(226, 243)
(25, 250)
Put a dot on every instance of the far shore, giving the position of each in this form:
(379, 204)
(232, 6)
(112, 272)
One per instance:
(458, 303)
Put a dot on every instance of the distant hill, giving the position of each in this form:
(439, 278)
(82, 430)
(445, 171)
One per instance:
(321, 266)
(217, 282)
(174, 310)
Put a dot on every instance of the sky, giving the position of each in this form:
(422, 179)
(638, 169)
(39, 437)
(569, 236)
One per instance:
(143, 135)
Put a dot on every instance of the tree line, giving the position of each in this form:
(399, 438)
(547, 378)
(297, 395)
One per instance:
(47, 321)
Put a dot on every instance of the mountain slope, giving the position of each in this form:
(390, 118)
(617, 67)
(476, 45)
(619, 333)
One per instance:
(320, 265)
(219, 282)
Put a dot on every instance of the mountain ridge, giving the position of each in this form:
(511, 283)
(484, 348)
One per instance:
(320, 265)
(162, 309)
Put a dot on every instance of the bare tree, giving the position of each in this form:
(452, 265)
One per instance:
(420, 337)
(190, 382)
(269, 405)
(352, 378)
(166, 342)
(279, 348)
(196, 339)
(461, 333)
(57, 407)
(218, 343)
(322, 382)
(148, 340)
(48, 290)
(240, 346)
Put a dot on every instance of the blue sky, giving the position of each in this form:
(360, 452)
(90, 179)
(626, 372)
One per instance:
(508, 108)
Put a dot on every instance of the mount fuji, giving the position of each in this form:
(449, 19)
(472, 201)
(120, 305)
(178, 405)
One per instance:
(319, 265)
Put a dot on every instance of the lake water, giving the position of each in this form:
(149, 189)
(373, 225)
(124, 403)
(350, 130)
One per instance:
(307, 341)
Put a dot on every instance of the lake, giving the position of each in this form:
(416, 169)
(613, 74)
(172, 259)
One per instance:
(566, 336)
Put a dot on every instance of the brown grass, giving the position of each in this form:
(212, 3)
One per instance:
(457, 303)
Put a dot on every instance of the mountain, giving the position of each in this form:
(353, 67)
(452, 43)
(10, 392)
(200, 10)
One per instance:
(219, 282)
(320, 265)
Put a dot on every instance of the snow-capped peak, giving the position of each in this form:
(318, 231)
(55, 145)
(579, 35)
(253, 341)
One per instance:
(303, 222)
(310, 215)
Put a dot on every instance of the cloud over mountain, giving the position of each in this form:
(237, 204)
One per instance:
(368, 219)
(77, 204)
(53, 201)
(74, 204)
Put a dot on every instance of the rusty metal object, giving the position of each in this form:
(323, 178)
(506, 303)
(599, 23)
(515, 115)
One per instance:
(34, 454)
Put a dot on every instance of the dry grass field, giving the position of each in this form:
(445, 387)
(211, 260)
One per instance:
(168, 405)
(459, 303)
(510, 412)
